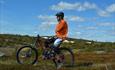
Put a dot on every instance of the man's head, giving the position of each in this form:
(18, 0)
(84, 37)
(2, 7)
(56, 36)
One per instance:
(60, 16)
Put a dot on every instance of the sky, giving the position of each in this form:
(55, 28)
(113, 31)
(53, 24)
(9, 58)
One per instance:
(87, 19)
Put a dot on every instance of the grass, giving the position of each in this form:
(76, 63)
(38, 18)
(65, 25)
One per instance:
(85, 57)
(83, 61)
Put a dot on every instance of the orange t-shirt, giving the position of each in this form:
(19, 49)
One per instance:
(61, 29)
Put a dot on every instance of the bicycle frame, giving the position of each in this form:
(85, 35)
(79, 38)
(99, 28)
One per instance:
(39, 42)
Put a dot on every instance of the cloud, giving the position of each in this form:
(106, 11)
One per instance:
(90, 28)
(75, 34)
(111, 8)
(103, 13)
(86, 27)
(106, 24)
(73, 6)
(44, 26)
(46, 22)
(75, 18)
(109, 32)
(107, 11)
(47, 18)
(78, 33)
(53, 20)
(64, 6)
(110, 25)
(83, 7)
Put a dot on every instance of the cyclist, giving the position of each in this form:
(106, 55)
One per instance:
(61, 29)
(61, 32)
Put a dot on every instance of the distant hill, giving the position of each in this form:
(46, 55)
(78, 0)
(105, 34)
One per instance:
(10, 40)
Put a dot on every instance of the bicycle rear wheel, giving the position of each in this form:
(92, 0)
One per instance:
(27, 55)
(67, 57)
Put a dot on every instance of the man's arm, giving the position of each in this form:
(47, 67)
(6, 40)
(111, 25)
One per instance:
(60, 26)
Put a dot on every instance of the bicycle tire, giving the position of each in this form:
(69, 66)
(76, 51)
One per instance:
(19, 51)
(70, 53)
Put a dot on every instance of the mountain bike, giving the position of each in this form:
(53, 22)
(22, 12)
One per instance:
(30, 54)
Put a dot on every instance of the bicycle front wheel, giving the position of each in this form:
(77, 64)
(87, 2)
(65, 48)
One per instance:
(27, 55)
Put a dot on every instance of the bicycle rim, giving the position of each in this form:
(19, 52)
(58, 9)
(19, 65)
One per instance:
(27, 55)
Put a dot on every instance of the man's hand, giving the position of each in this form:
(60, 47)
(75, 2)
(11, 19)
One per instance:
(56, 31)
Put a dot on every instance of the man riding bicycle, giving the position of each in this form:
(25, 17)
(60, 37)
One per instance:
(59, 55)
(61, 31)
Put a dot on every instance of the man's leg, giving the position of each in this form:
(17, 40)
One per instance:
(57, 43)
(56, 46)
